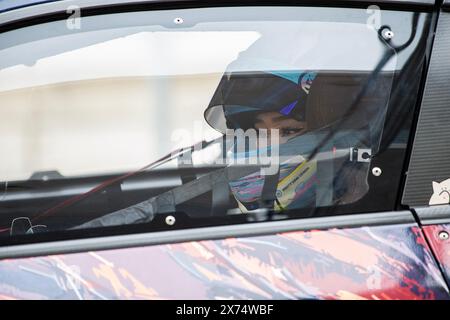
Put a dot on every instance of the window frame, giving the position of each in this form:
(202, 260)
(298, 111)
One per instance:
(37, 14)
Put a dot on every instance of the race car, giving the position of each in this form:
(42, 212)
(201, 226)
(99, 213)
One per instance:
(163, 149)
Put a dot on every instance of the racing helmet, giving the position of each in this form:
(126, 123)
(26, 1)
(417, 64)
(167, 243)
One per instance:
(256, 84)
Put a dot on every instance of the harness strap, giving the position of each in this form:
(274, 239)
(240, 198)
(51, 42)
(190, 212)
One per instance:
(269, 190)
(166, 202)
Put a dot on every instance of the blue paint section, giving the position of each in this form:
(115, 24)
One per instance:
(288, 75)
(288, 109)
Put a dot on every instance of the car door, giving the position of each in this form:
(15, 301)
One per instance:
(427, 177)
(94, 93)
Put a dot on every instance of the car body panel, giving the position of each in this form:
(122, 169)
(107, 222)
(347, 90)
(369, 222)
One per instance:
(380, 262)
(389, 261)
(440, 247)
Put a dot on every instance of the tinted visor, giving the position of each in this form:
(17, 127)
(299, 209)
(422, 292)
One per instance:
(320, 100)
(242, 94)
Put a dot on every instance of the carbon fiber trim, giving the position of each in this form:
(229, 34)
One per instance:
(433, 214)
(430, 158)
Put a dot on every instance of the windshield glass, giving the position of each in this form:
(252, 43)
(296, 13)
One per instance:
(199, 112)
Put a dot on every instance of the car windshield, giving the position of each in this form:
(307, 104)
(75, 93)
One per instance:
(197, 113)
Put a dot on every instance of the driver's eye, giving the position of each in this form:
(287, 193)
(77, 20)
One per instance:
(290, 131)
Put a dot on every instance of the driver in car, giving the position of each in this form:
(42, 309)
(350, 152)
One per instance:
(280, 100)
(315, 166)
(306, 178)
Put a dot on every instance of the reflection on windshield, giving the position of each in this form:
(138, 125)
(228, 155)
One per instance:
(230, 118)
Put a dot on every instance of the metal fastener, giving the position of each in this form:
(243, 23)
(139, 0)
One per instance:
(443, 235)
(376, 171)
(170, 220)
(364, 155)
(388, 34)
(178, 20)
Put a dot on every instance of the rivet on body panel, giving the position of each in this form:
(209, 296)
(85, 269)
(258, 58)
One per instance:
(170, 220)
(443, 235)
